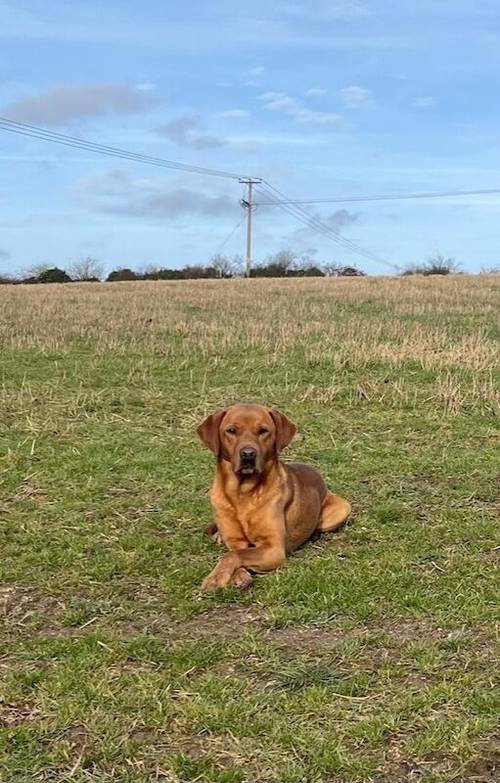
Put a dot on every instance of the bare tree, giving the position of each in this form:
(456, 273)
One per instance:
(86, 269)
(284, 259)
(340, 270)
(490, 270)
(223, 265)
(238, 264)
(332, 269)
(35, 270)
(438, 264)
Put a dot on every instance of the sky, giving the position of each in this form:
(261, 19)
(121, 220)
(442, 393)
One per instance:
(329, 99)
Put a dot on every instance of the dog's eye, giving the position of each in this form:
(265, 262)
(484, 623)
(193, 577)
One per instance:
(231, 430)
(263, 431)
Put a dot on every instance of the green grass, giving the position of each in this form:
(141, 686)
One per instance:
(371, 656)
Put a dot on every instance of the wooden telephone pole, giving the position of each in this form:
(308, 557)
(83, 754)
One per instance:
(249, 206)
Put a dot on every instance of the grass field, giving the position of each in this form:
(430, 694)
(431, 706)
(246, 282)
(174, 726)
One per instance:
(371, 656)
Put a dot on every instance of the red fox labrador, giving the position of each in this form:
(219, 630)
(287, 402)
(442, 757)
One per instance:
(264, 508)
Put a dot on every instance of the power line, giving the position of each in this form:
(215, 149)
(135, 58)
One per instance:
(383, 197)
(319, 226)
(43, 134)
(314, 223)
(288, 205)
(231, 233)
(308, 222)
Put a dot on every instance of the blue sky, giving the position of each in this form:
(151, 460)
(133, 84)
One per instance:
(325, 100)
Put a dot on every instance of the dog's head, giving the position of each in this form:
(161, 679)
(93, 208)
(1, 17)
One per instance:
(247, 436)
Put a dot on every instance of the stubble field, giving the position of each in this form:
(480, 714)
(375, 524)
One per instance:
(371, 656)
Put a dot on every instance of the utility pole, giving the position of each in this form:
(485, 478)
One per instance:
(249, 205)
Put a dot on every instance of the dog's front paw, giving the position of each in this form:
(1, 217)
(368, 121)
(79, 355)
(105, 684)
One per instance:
(222, 574)
(212, 582)
(242, 579)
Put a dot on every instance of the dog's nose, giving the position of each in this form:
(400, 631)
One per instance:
(248, 454)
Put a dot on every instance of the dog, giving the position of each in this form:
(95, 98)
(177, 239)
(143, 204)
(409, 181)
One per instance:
(264, 508)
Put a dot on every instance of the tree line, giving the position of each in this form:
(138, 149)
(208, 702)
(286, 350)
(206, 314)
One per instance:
(282, 264)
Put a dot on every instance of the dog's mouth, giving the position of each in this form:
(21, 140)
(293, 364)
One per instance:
(248, 469)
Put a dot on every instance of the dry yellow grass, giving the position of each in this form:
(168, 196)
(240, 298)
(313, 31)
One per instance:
(445, 325)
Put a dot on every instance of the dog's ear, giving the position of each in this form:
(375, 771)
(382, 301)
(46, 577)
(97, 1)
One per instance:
(285, 429)
(208, 431)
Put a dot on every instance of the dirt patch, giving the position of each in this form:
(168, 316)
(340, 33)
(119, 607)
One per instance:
(27, 491)
(228, 623)
(300, 639)
(484, 769)
(492, 554)
(77, 737)
(145, 594)
(325, 637)
(409, 629)
(27, 607)
(225, 623)
(399, 632)
(17, 713)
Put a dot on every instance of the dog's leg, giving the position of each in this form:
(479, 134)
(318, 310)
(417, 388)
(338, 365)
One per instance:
(334, 512)
(242, 579)
(265, 556)
(213, 531)
(234, 539)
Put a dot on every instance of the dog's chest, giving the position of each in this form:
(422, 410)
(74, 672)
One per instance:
(248, 524)
(250, 515)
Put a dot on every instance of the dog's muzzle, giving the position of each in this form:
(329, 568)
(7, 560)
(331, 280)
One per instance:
(248, 461)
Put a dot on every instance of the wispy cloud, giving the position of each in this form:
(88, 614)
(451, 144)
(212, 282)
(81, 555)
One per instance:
(315, 92)
(323, 10)
(424, 102)
(341, 218)
(145, 86)
(356, 97)
(280, 101)
(338, 220)
(115, 191)
(185, 131)
(253, 76)
(257, 71)
(235, 113)
(64, 104)
(4, 255)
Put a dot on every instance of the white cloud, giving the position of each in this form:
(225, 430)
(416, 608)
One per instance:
(145, 86)
(185, 132)
(337, 220)
(325, 10)
(279, 101)
(257, 71)
(356, 97)
(235, 113)
(115, 191)
(61, 105)
(267, 139)
(316, 92)
(424, 102)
